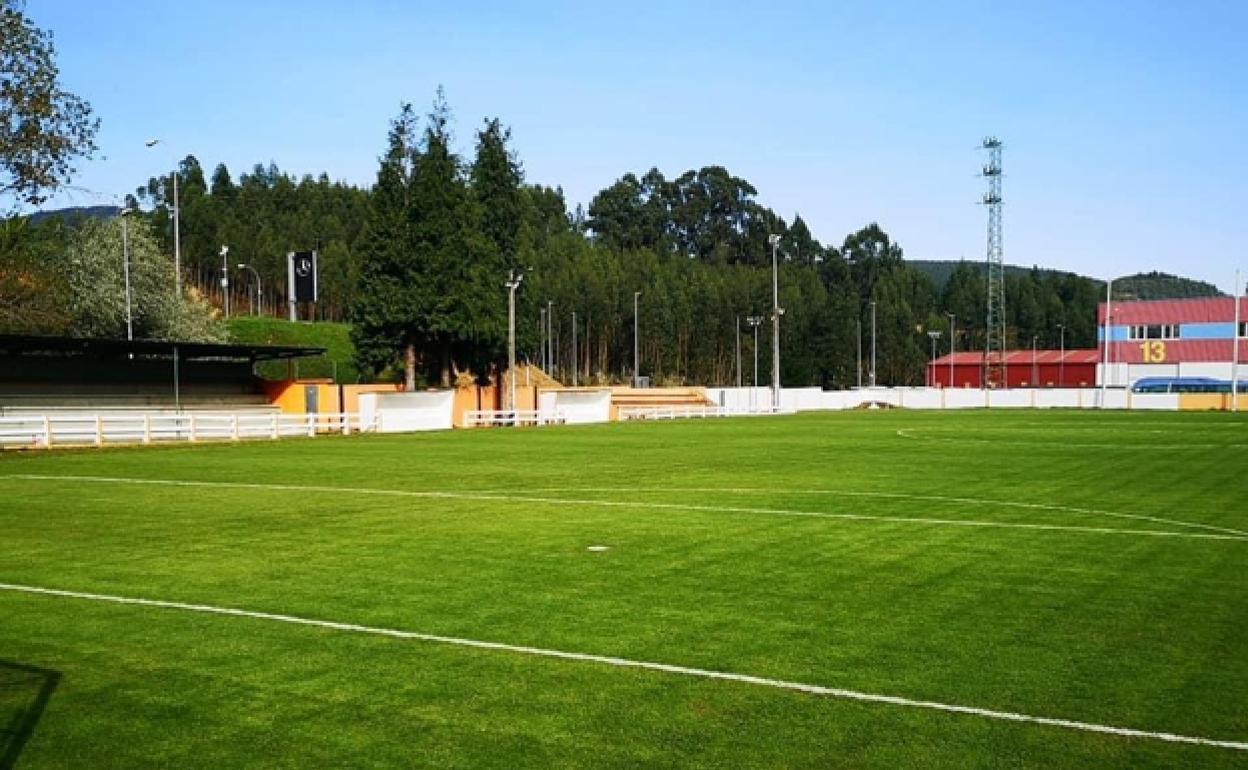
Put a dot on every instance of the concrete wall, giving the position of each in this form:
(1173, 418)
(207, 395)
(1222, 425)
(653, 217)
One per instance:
(401, 412)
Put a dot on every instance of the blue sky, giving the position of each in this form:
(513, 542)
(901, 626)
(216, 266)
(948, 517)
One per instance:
(1124, 122)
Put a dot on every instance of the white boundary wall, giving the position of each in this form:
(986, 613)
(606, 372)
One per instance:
(578, 407)
(814, 399)
(403, 412)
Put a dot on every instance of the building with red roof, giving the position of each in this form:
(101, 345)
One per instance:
(1171, 338)
(1023, 369)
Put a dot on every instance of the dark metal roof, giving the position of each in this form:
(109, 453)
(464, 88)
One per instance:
(36, 345)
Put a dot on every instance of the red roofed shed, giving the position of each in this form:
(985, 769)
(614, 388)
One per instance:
(1047, 369)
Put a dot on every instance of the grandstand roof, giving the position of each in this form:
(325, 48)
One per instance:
(29, 345)
(1015, 357)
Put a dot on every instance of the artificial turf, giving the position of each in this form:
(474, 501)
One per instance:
(1123, 601)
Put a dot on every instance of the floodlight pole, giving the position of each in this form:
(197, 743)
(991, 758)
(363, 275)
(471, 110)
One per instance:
(225, 279)
(541, 330)
(125, 269)
(177, 230)
(933, 335)
(953, 341)
(872, 371)
(754, 321)
(513, 283)
(636, 347)
(1035, 372)
(737, 329)
(574, 362)
(1061, 362)
(550, 336)
(858, 326)
(776, 312)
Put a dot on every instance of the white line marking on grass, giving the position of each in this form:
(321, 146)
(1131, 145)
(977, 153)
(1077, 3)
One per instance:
(812, 689)
(628, 504)
(910, 433)
(905, 496)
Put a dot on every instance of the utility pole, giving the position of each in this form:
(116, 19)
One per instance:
(776, 312)
(575, 365)
(513, 283)
(636, 347)
(550, 337)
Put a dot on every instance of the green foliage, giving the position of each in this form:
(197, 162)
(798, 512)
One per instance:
(43, 128)
(337, 363)
(34, 295)
(92, 265)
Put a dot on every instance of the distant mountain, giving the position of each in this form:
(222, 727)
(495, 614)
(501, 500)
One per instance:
(940, 270)
(76, 212)
(1152, 285)
(1156, 285)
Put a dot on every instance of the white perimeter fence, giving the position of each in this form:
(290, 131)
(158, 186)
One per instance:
(105, 428)
(814, 399)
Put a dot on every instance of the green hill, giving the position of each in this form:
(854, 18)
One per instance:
(338, 361)
(1156, 285)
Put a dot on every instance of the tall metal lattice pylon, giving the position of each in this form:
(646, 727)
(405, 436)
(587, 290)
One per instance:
(994, 343)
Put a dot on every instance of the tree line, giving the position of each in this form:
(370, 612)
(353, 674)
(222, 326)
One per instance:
(417, 262)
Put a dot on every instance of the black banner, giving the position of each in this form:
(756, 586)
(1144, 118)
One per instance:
(303, 268)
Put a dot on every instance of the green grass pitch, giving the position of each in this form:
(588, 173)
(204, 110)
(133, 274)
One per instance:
(1080, 566)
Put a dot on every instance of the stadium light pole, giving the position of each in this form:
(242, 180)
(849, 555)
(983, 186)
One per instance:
(125, 270)
(513, 283)
(225, 279)
(258, 303)
(776, 312)
(754, 321)
(177, 230)
(934, 335)
(574, 362)
(858, 327)
(871, 373)
(541, 331)
(1035, 372)
(953, 341)
(1061, 361)
(550, 336)
(636, 346)
(738, 333)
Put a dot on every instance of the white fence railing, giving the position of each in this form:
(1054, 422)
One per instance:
(685, 412)
(479, 418)
(104, 429)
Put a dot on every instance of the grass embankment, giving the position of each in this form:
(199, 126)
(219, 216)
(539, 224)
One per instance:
(339, 358)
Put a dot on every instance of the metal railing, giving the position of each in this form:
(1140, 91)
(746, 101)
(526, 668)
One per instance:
(478, 418)
(111, 429)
